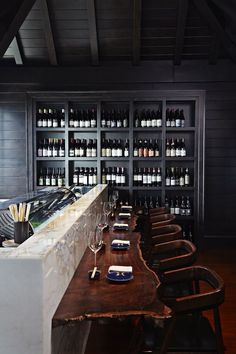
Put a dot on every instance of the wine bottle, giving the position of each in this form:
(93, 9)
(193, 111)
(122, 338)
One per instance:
(40, 118)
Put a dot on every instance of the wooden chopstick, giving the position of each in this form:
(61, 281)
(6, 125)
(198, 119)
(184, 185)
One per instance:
(27, 211)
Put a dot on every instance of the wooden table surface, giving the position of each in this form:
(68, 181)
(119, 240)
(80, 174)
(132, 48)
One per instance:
(91, 299)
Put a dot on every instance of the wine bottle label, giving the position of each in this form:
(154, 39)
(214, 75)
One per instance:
(186, 180)
(41, 181)
(39, 123)
(62, 123)
(114, 152)
(54, 152)
(123, 179)
(177, 152)
(168, 152)
(149, 179)
(159, 123)
(108, 152)
(49, 152)
(154, 178)
(103, 123)
(178, 123)
(119, 152)
(126, 153)
(118, 179)
(103, 152)
(53, 181)
(45, 152)
(45, 123)
(172, 210)
(76, 123)
(59, 182)
(94, 152)
(183, 152)
(158, 178)
(119, 124)
(181, 181)
(108, 178)
(75, 179)
(85, 181)
(149, 123)
(154, 123)
(82, 124)
(71, 123)
(40, 152)
(177, 211)
(143, 123)
(140, 178)
(145, 179)
(157, 153)
(125, 123)
(49, 123)
(90, 180)
(72, 152)
(89, 152)
(167, 181)
(81, 180)
(87, 123)
(168, 123)
(172, 153)
(103, 179)
(61, 153)
(172, 182)
(135, 178)
(113, 124)
(95, 179)
(135, 152)
(48, 181)
(93, 123)
(172, 123)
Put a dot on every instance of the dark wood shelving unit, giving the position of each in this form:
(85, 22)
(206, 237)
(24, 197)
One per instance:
(193, 131)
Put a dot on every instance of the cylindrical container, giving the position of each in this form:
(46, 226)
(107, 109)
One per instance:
(21, 231)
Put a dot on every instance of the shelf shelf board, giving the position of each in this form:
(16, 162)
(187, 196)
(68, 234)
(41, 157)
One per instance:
(186, 158)
(147, 158)
(125, 130)
(82, 158)
(114, 158)
(148, 129)
(78, 130)
(50, 130)
(184, 217)
(50, 158)
(141, 188)
(178, 188)
(185, 129)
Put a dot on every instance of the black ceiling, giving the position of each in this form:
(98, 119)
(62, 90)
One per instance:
(83, 32)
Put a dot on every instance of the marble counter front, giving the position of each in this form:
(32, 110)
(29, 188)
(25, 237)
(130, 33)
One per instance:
(35, 275)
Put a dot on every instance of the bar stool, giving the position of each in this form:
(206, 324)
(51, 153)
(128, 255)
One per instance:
(166, 233)
(161, 220)
(188, 330)
(171, 255)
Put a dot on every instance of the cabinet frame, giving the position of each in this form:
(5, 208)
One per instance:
(130, 97)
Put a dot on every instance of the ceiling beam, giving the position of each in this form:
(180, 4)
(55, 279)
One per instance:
(216, 27)
(214, 50)
(181, 22)
(15, 22)
(93, 31)
(137, 15)
(17, 51)
(48, 33)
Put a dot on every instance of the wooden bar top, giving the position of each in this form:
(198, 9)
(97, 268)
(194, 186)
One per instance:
(91, 299)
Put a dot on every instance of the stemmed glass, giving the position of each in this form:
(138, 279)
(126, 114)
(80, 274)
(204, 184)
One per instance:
(107, 208)
(95, 242)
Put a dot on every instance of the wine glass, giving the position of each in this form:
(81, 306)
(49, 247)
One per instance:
(95, 242)
(107, 208)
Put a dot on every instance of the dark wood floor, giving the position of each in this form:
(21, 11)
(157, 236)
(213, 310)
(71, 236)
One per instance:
(112, 338)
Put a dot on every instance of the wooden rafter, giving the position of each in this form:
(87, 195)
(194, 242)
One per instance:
(137, 14)
(214, 50)
(48, 32)
(16, 48)
(93, 32)
(216, 28)
(181, 22)
(16, 20)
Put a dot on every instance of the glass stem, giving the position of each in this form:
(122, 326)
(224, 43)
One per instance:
(95, 259)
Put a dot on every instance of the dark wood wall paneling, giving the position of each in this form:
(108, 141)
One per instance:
(13, 176)
(220, 132)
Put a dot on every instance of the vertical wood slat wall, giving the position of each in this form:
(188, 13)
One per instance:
(220, 152)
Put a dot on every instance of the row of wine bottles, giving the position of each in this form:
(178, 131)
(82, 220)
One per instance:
(176, 176)
(146, 148)
(149, 177)
(84, 176)
(115, 118)
(50, 118)
(51, 177)
(81, 118)
(83, 148)
(51, 147)
(180, 205)
(114, 148)
(175, 147)
(115, 176)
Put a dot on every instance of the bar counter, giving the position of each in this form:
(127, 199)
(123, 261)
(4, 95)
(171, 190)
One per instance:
(35, 275)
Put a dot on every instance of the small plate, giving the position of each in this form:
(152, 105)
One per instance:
(120, 246)
(119, 276)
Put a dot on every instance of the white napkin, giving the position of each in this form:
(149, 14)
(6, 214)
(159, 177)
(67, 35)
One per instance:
(125, 214)
(123, 269)
(120, 225)
(120, 242)
(126, 207)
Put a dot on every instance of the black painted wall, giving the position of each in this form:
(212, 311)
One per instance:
(220, 123)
